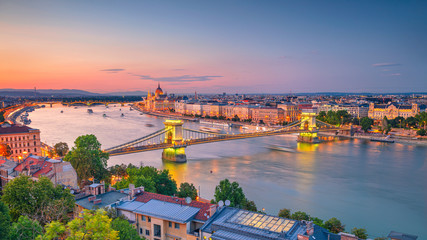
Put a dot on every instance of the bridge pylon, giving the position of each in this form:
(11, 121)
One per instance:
(308, 124)
(175, 137)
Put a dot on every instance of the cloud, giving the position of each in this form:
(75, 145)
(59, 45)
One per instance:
(385, 70)
(385, 64)
(395, 74)
(183, 78)
(178, 69)
(112, 70)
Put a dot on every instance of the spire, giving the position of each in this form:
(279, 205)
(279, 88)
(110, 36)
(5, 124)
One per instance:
(158, 85)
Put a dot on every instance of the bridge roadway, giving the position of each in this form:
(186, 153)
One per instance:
(218, 138)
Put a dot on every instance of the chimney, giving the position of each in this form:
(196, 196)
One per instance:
(97, 201)
(91, 198)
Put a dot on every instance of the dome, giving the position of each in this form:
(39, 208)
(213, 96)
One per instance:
(159, 91)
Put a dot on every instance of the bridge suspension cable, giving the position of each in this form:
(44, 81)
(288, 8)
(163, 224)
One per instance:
(140, 140)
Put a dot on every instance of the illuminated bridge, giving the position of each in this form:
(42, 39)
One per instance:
(174, 138)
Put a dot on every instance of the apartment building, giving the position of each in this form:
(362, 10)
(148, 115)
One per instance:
(22, 140)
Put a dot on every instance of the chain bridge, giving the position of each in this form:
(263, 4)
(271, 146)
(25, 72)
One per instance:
(174, 138)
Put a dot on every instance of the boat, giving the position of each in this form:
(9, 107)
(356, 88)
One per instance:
(130, 109)
(62, 111)
(212, 130)
(385, 139)
(104, 115)
(141, 114)
(149, 125)
(89, 111)
(281, 148)
(122, 115)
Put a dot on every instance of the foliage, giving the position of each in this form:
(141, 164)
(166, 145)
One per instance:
(61, 148)
(153, 180)
(335, 117)
(233, 192)
(318, 222)
(25, 229)
(39, 200)
(366, 123)
(422, 119)
(4, 221)
(1, 116)
(300, 216)
(90, 225)
(381, 238)
(360, 233)
(187, 190)
(285, 213)
(88, 159)
(235, 118)
(334, 225)
(5, 150)
(125, 230)
(421, 132)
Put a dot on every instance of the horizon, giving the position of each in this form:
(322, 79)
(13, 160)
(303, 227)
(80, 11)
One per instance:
(215, 47)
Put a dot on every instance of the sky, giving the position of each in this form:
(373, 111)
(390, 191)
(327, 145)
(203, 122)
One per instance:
(238, 46)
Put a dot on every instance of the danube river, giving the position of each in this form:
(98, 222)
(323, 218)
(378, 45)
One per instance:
(377, 186)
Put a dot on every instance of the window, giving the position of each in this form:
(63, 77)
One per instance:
(170, 224)
(177, 225)
(34, 136)
(157, 231)
(140, 231)
(147, 232)
(149, 219)
(35, 149)
(143, 218)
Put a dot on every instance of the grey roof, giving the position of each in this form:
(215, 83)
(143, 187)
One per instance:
(107, 199)
(95, 185)
(169, 211)
(225, 235)
(130, 205)
(402, 236)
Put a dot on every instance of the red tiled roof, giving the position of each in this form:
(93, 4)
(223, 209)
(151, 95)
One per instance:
(204, 207)
(2, 161)
(14, 129)
(44, 166)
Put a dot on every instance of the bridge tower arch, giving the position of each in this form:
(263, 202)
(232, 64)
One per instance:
(308, 124)
(174, 136)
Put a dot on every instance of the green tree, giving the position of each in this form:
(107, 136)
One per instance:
(411, 122)
(422, 119)
(148, 183)
(1, 116)
(187, 190)
(91, 225)
(381, 238)
(318, 222)
(300, 216)
(25, 229)
(125, 230)
(334, 225)
(4, 221)
(285, 213)
(88, 159)
(249, 205)
(61, 148)
(39, 200)
(360, 233)
(366, 123)
(164, 183)
(421, 132)
(5, 150)
(229, 191)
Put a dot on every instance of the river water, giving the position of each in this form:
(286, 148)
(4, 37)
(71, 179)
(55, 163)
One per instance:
(377, 186)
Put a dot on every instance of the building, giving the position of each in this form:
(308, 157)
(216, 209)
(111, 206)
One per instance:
(392, 111)
(267, 115)
(21, 139)
(157, 216)
(401, 236)
(58, 171)
(291, 112)
(232, 223)
(158, 101)
(6, 170)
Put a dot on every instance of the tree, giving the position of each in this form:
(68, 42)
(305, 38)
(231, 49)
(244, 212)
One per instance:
(249, 205)
(164, 183)
(4, 221)
(90, 225)
(285, 213)
(411, 122)
(366, 123)
(421, 132)
(384, 124)
(1, 116)
(300, 216)
(5, 150)
(88, 159)
(360, 233)
(39, 200)
(229, 191)
(25, 229)
(318, 222)
(125, 230)
(61, 148)
(422, 119)
(187, 190)
(334, 225)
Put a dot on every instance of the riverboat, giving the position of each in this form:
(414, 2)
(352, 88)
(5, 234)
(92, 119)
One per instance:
(104, 115)
(212, 130)
(89, 111)
(386, 140)
(149, 125)
(122, 115)
(281, 148)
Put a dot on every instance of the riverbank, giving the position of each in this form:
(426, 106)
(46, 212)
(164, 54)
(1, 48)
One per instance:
(403, 140)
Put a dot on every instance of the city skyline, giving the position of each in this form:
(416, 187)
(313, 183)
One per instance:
(214, 47)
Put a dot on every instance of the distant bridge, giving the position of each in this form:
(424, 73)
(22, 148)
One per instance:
(92, 102)
(174, 138)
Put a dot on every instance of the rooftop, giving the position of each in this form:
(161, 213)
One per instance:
(15, 129)
(401, 236)
(107, 199)
(169, 211)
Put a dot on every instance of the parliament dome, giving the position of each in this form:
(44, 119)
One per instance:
(159, 91)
